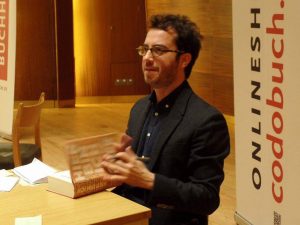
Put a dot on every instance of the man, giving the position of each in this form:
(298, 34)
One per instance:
(179, 142)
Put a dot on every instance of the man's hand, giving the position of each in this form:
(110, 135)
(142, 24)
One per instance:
(124, 167)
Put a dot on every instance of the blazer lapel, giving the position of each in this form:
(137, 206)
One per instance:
(170, 123)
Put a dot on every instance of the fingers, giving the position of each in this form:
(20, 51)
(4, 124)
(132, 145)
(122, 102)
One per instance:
(112, 180)
(124, 143)
(127, 156)
(132, 172)
(126, 140)
(121, 165)
(118, 147)
(129, 151)
(116, 167)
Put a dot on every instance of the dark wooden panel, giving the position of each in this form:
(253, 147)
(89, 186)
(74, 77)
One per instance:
(128, 79)
(35, 51)
(65, 53)
(128, 31)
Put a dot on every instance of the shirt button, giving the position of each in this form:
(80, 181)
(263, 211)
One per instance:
(167, 106)
(156, 114)
(148, 134)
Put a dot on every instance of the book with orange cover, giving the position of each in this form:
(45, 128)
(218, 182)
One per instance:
(85, 172)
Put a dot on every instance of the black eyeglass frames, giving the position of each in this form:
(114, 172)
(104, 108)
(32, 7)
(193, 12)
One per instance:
(155, 50)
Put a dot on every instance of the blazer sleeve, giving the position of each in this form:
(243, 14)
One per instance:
(199, 192)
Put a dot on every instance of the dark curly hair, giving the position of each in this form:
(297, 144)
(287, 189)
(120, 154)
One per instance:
(188, 38)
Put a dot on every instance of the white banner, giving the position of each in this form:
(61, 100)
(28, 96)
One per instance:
(7, 64)
(266, 36)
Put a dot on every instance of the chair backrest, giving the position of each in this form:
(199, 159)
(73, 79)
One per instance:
(27, 116)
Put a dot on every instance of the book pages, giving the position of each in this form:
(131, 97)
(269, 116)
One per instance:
(84, 158)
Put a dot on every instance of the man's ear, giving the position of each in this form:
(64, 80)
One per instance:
(185, 59)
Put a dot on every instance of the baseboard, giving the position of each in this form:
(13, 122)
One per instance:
(66, 103)
(47, 103)
(107, 99)
(89, 100)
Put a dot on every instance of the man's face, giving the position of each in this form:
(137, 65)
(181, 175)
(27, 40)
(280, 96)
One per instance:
(160, 71)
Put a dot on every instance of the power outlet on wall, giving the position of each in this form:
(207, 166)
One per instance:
(123, 81)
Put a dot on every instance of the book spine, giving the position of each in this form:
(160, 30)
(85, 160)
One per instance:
(89, 186)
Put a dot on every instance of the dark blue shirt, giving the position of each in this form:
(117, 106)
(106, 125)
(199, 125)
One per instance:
(155, 117)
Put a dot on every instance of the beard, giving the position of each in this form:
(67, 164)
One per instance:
(161, 78)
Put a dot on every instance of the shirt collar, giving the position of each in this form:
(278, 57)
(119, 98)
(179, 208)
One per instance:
(169, 100)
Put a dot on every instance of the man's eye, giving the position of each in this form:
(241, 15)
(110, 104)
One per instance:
(145, 49)
(158, 49)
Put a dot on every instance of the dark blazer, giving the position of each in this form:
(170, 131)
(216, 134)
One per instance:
(187, 160)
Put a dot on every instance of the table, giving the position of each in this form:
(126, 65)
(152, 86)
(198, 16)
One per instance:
(104, 208)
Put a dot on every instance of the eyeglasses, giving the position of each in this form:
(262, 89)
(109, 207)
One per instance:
(155, 50)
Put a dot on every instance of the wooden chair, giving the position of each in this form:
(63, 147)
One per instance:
(16, 153)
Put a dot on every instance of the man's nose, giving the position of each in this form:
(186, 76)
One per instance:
(148, 54)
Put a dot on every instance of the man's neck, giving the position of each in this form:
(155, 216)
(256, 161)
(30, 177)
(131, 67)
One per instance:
(161, 93)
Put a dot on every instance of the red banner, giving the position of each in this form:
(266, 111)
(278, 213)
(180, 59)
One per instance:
(8, 23)
(4, 38)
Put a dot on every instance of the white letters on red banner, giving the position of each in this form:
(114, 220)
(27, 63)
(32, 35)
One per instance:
(7, 64)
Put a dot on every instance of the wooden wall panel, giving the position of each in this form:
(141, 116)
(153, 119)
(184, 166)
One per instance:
(128, 32)
(127, 79)
(128, 23)
(203, 83)
(203, 64)
(212, 76)
(223, 92)
(106, 34)
(65, 54)
(92, 42)
(36, 62)
(35, 50)
(221, 17)
(222, 61)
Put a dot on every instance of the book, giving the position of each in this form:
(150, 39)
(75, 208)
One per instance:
(61, 183)
(35, 172)
(84, 157)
